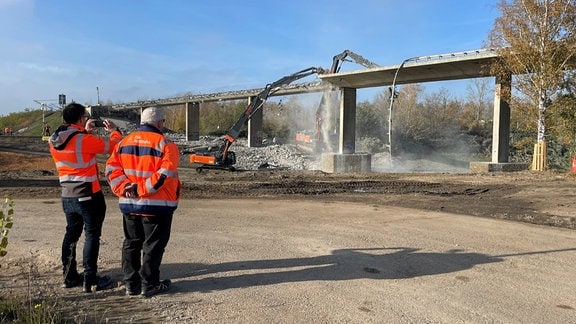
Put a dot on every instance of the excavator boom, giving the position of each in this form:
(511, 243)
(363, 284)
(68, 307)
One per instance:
(222, 157)
(342, 57)
(337, 62)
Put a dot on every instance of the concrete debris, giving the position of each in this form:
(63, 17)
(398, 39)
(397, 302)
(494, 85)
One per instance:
(268, 156)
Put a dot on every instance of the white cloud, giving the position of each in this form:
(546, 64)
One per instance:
(45, 68)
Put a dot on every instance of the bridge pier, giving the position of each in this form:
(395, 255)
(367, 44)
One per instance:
(500, 132)
(255, 133)
(347, 160)
(192, 121)
(346, 163)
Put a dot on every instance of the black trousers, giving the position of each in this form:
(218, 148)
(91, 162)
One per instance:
(145, 239)
(86, 214)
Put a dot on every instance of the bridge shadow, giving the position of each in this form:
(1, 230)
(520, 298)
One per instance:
(344, 264)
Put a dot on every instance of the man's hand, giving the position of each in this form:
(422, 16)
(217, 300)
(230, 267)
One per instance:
(130, 191)
(90, 125)
(109, 125)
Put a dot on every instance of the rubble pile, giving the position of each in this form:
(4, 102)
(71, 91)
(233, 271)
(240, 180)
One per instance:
(285, 156)
(268, 156)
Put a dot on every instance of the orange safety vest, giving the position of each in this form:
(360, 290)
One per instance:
(149, 160)
(74, 152)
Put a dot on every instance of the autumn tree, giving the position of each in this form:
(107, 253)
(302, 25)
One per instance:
(410, 127)
(564, 109)
(536, 41)
(477, 107)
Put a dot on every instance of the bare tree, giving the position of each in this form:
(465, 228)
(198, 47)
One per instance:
(478, 95)
(410, 120)
(537, 43)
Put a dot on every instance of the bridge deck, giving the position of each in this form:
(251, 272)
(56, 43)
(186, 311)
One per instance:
(456, 66)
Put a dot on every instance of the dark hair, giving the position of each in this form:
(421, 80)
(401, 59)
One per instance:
(73, 112)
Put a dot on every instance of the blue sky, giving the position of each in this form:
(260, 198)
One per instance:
(149, 49)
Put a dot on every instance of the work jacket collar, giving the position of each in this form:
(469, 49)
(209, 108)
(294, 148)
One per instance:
(149, 128)
(64, 134)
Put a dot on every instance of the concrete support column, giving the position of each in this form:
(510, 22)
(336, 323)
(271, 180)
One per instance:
(255, 133)
(347, 138)
(500, 132)
(501, 123)
(192, 121)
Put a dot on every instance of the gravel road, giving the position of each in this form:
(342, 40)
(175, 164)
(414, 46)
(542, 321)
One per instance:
(315, 261)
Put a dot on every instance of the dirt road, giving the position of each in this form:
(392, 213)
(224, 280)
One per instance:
(315, 261)
(308, 247)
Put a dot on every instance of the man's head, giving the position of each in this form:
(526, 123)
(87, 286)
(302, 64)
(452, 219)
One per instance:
(73, 112)
(152, 116)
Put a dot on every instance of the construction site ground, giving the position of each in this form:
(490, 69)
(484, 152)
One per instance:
(280, 246)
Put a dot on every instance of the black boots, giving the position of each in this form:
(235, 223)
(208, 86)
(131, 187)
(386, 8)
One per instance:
(97, 283)
(73, 280)
(162, 287)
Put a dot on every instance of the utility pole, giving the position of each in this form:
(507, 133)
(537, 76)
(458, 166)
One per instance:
(44, 105)
(98, 95)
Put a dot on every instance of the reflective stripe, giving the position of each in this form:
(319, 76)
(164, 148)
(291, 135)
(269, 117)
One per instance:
(147, 202)
(139, 151)
(73, 178)
(116, 181)
(79, 165)
(138, 173)
(150, 187)
(168, 173)
(110, 168)
(161, 145)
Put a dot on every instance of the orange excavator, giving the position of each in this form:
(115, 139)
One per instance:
(221, 157)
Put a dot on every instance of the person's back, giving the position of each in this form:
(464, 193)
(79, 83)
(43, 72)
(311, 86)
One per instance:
(74, 149)
(150, 161)
(143, 173)
(74, 152)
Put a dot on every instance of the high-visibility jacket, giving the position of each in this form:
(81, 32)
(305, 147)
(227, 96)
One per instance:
(74, 152)
(149, 160)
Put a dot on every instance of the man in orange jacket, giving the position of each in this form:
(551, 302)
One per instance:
(74, 151)
(143, 173)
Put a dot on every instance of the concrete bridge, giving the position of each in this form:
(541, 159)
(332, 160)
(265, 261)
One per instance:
(453, 66)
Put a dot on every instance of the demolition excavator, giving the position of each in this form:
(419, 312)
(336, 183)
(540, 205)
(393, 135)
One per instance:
(337, 61)
(221, 157)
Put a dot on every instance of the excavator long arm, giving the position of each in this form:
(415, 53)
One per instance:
(223, 157)
(337, 62)
(341, 58)
(257, 103)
